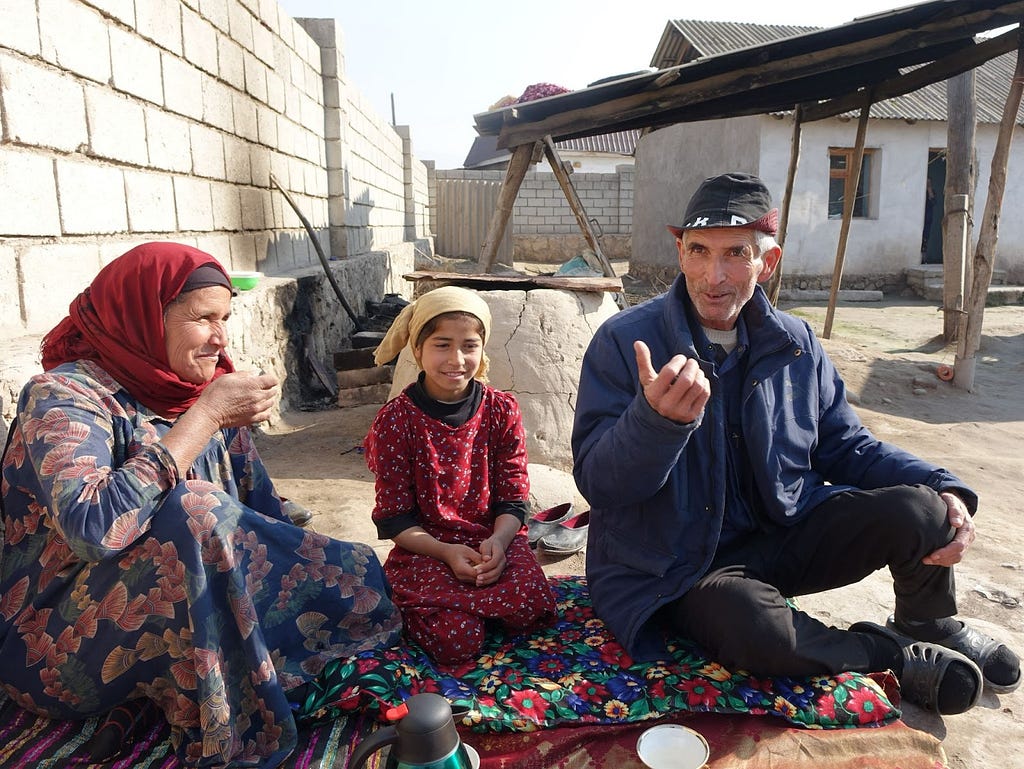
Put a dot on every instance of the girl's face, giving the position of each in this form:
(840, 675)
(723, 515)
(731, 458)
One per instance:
(450, 357)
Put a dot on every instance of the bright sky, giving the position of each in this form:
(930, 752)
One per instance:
(443, 61)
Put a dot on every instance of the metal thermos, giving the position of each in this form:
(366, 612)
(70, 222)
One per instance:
(422, 737)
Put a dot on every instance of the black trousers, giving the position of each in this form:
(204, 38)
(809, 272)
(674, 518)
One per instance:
(738, 610)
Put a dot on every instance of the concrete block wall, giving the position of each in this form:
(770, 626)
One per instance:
(541, 207)
(126, 121)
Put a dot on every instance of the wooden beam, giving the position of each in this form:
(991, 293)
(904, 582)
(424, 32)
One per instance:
(522, 157)
(984, 255)
(939, 70)
(849, 197)
(775, 281)
(579, 212)
(520, 282)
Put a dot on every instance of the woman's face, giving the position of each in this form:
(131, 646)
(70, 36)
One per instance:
(195, 332)
(450, 358)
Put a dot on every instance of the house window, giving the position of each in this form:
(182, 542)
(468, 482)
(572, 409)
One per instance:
(840, 161)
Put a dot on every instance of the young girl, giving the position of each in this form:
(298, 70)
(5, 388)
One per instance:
(449, 456)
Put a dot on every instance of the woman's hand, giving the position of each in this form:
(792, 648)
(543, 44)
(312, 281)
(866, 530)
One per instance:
(493, 563)
(463, 561)
(239, 399)
(230, 400)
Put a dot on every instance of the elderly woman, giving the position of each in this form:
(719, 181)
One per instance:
(146, 554)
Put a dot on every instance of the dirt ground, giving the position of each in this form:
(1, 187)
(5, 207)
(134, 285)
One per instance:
(888, 353)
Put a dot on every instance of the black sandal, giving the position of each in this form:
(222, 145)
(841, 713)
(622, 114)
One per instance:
(924, 667)
(974, 645)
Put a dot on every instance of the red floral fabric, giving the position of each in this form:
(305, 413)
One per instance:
(452, 477)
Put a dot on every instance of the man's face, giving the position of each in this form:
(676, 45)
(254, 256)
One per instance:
(722, 266)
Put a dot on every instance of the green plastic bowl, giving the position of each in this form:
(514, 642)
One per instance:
(243, 281)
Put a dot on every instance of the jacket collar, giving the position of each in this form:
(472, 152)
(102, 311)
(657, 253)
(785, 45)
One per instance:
(765, 330)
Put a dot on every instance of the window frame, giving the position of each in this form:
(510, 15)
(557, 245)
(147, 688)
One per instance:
(866, 197)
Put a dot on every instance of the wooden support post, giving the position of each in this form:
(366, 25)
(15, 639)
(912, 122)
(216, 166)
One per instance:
(522, 158)
(849, 197)
(984, 255)
(579, 212)
(957, 237)
(775, 281)
(955, 246)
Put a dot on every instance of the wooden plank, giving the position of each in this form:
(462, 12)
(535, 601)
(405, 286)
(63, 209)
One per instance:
(519, 282)
(522, 157)
(850, 196)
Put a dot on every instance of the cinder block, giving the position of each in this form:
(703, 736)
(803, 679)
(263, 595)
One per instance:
(244, 109)
(275, 91)
(207, 152)
(216, 12)
(117, 128)
(160, 21)
(52, 276)
(217, 105)
(364, 377)
(358, 358)
(74, 37)
(91, 198)
(254, 207)
(20, 30)
(255, 78)
(167, 138)
(199, 41)
(240, 24)
(263, 42)
(236, 160)
(31, 94)
(227, 210)
(193, 204)
(182, 87)
(231, 62)
(363, 396)
(150, 200)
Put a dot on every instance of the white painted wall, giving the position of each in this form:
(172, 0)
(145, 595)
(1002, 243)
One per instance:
(672, 161)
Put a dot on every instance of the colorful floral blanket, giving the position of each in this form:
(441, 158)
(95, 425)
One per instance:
(575, 673)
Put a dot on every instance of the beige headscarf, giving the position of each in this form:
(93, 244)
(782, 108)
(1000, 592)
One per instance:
(405, 329)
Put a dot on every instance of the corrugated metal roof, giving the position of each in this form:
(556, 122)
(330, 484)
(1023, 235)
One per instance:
(485, 153)
(616, 143)
(710, 38)
(691, 39)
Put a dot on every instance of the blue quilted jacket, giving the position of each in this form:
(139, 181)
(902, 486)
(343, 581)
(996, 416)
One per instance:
(657, 488)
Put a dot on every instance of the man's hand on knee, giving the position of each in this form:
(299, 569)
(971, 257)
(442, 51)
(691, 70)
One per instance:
(961, 520)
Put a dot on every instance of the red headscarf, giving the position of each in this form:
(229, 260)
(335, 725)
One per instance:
(118, 322)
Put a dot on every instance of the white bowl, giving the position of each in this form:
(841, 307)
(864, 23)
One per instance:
(672, 746)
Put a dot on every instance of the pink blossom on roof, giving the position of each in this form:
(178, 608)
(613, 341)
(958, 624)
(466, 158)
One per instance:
(539, 91)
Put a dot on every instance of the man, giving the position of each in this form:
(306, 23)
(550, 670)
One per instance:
(726, 471)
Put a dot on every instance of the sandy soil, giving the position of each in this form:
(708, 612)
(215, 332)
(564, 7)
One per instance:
(888, 353)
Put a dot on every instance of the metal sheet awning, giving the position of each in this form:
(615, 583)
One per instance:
(827, 71)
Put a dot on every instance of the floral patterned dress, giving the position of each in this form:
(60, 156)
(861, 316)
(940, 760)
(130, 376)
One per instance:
(452, 477)
(120, 580)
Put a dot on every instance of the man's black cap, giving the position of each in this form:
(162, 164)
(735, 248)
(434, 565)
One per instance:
(730, 200)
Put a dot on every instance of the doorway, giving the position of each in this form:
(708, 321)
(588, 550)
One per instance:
(934, 206)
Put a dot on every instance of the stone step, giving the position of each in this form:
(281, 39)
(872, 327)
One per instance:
(997, 295)
(362, 377)
(924, 275)
(364, 396)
